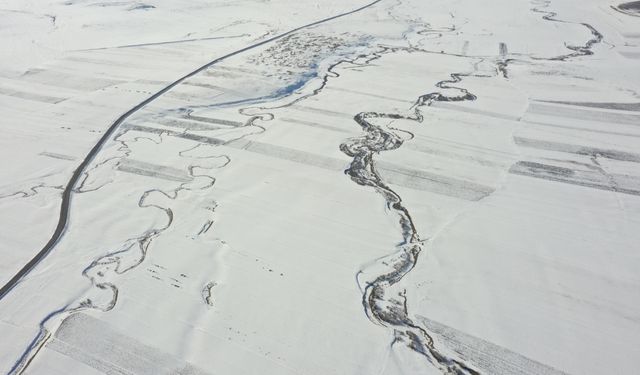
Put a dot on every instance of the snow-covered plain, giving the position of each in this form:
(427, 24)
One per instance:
(319, 187)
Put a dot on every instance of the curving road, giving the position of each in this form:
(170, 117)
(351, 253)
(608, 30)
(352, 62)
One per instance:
(65, 205)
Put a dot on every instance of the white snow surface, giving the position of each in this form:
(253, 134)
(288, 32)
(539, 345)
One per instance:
(349, 187)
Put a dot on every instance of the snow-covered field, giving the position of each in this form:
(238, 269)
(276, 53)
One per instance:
(319, 187)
